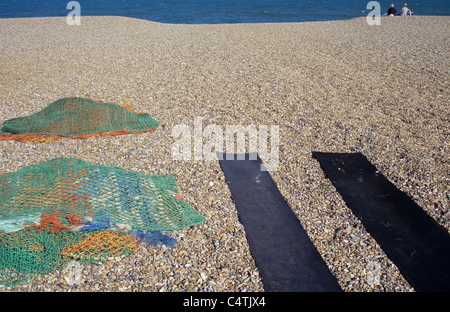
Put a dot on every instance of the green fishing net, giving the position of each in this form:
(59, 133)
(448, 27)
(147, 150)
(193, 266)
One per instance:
(67, 208)
(76, 117)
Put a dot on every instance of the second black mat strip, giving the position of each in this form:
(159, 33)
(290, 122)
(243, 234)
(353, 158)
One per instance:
(410, 237)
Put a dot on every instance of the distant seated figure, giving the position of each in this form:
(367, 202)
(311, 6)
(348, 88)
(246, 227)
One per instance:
(405, 10)
(392, 10)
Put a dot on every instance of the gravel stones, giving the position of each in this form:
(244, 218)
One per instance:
(338, 86)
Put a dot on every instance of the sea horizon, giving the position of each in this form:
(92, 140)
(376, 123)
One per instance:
(215, 11)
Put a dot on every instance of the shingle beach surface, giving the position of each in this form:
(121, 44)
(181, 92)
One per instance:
(338, 86)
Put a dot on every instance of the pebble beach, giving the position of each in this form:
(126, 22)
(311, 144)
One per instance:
(337, 86)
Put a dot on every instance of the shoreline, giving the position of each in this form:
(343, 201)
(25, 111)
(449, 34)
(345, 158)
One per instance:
(233, 23)
(333, 87)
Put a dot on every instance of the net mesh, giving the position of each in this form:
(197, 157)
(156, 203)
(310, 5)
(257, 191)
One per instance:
(78, 118)
(68, 209)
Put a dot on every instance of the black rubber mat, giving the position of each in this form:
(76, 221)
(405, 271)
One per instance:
(417, 244)
(285, 256)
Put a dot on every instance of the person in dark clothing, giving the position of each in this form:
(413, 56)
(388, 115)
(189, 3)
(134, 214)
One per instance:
(392, 10)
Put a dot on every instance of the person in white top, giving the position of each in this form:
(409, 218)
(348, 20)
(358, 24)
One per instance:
(405, 10)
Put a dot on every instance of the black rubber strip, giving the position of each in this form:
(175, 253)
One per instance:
(417, 244)
(285, 256)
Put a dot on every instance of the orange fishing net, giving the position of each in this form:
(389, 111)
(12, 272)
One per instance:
(102, 244)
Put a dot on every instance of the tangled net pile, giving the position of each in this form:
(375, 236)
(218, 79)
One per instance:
(76, 118)
(67, 209)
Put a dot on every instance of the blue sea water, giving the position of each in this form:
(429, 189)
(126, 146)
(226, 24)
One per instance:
(218, 11)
